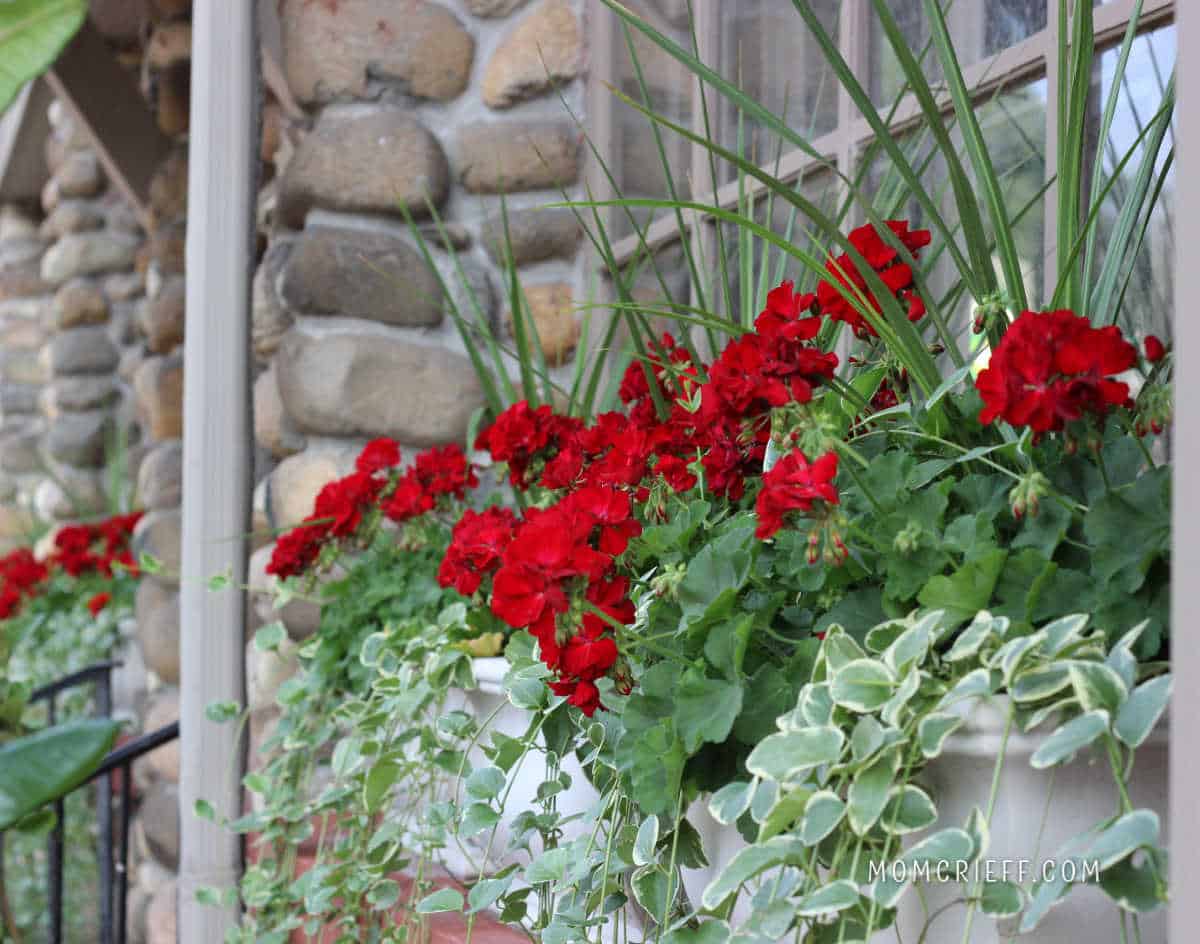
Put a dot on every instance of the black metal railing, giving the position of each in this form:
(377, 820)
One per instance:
(113, 779)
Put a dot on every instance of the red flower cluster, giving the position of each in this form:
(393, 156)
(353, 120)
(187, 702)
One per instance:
(83, 548)
(20, 575)
(435, 473)
(848, 283)
(793, 485)
(1052, 368)
(99, 602)
(553, 575)
(337, 510)
(476, 545)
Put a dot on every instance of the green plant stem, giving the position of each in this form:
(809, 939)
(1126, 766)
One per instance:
(973, 897)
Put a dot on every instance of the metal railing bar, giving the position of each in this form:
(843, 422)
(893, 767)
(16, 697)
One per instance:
(90, 674)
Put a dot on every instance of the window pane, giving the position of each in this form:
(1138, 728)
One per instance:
(665, 86)
(766, 49)
(979, 28)
(1148, 305)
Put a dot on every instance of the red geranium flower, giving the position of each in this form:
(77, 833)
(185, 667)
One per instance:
(834, 297)
(793, 485)
(1052, 368)
(476, 545)
(99, 602)
(1155, 349)
(377, 455)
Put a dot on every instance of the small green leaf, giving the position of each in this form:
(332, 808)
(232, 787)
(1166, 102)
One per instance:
(476, 818)
(1036, 684)
(650, 888)
(204, 810)
(830, 899)
(823, 812)
(789, 755)
(384, 894)
(1097, 686)
(1001, 899)
(950, 846)
(909, 809)
(647, 839)
(220, 581)
(933, 731)
(487, 891)
(220, 712)
(1138, 888)
(444, 899)
(866, 739)
(1129, 833)
(749, 862)
(730, 802)
(705, 709)
(1069, 739)
(1142, 709)
(379, 781)
(869, 792)
(982, 628)
(863, 685)
(270, 637)
(486, 783)
(974, 684)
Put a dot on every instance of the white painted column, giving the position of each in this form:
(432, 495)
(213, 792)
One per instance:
(1184, 839)
(216, 448)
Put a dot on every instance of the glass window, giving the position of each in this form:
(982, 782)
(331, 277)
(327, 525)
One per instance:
(979, 28)
(766, 49)
(1148, 304)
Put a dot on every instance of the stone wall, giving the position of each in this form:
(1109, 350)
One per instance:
(444, 110)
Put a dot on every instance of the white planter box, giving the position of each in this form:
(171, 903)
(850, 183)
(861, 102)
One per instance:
(1059, 804)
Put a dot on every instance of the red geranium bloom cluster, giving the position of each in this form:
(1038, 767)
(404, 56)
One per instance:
(794, 485)
(435, 473)
(83, 548)
(556, 568)
(525, 437)
(337, 511)
(1052, 368)
(848, 283)
(476, 545)
(20, 575)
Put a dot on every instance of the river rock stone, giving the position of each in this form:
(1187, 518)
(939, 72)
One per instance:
(533, 235)
(18, 398)
(79, 176)
(273, 428)
(295, 482)
(157, 609)
(158, 387)
(346, 385)
(80, 439)
(159, 534)
(85, 392)
(159, 814)
(493, 9)
(160, 476)
(510, 156)
(269, 317)
(550, 307)
(89, 253)
(169, 186)
(161, 709)
(267, 671)
(72, 216)
(162, 318)
(361, 274)
(168, 246)
(345, 49)
(19, 442)
(543, 50)
(364, 163)
(86, 350)
(79, 302)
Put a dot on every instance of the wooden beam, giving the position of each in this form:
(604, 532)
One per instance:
(222, 186)
(104, 98)
(23, 132)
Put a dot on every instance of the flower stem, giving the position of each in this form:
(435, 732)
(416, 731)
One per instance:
(973, 897)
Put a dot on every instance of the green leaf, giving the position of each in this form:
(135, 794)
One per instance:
(1069, 739)
(42, 767)
(789, 755)
(444, 899)
(486, 783)
(32, 34)
(784, 813)
(823, 812)
(982, 628)
(651, 887)
(705, 709)
(730, 802)
(832, 898)
(1097, 686)
(933, 731)
(220, 712)
(1142, 709)
(204, 810)
(749, 862)
(710, 932)
(647, 839)
(1036, 684)
(718, 570)
(968, 590)
(869, 792)
(909, 809)
(974, 684)
(1001, 899)
(270, 637)
(863, 685)
(476, 818)
(949, 846)
(1133, 887)
(866, 739)
(1129, 529)
(379, 781)
(487, 891)
(1129, 833)
(384, 894)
